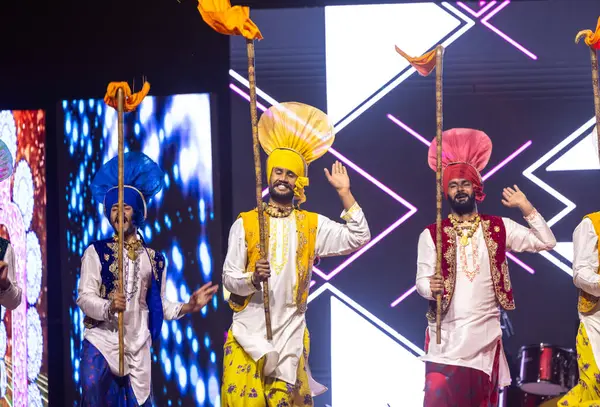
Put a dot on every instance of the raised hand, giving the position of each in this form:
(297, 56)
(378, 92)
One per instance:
(338, 177)
(514, 198)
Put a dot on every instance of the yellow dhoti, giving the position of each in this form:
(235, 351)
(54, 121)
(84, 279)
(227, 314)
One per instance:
(587, 392)
(244, 384)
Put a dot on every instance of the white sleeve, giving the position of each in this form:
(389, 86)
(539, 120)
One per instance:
(11, 297)
(426, 260)
(236, 279)
(538, 237)
(585, 258)
(171, 309)
(90, 281)
(335, 239)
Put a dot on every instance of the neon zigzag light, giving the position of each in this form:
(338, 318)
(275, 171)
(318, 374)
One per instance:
(485, 21)
(407, 73)
(569, 206)
(411, 208)
(423, 140)
(386, 328)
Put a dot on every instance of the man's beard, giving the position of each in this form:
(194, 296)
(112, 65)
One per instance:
(127, 223)
(285, 197)
(463, 207)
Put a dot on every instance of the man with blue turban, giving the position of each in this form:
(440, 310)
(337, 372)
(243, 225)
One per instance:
(143, 301)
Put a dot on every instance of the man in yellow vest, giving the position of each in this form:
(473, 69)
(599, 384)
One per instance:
(587, 278)
(257, 372)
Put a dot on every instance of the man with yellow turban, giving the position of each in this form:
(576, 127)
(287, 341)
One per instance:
(258, 372)
(586, 277)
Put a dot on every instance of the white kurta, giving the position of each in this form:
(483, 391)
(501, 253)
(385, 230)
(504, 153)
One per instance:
(585, 277)
(137, 339)
(470, 329)
(11, 297)
(288, 324)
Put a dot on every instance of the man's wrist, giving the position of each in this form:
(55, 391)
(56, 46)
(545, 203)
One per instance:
(343, 192)
(527, 209)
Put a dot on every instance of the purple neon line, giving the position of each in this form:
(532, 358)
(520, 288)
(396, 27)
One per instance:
(369, 177)
(403, 296)
(372, 243)
(473, 12)
(412, 209)
(485, 22)
(312, 282)
(341, 158)
(506, 160)
(520, 263)
(245, 96)
(427, 143)
(505, 37)
(409, 130)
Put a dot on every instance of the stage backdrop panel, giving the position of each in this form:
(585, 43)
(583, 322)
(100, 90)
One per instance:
(23, 331)
(176, 132)
(505, 72)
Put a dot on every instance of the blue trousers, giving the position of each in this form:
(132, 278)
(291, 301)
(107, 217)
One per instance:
(100, 386)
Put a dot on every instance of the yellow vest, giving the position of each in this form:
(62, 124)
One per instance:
(587, 301)
(306, 229)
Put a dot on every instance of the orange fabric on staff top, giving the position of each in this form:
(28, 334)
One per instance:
(425, 64)
(592, 39)
(131, 100)
(228, 20)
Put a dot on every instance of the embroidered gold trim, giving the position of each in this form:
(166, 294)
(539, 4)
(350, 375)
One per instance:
(278, 260)
(350, 212)
(492, 247)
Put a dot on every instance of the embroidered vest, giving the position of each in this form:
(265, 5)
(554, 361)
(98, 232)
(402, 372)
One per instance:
(306, 230)
(494, 234)
(108, 253)
(3, 248)
(587, 301)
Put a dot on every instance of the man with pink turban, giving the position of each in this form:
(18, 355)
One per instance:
(469, 366)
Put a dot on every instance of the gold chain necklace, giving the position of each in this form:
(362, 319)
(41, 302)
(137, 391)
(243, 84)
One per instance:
(278, 211)
(464, 238)
(132, 248)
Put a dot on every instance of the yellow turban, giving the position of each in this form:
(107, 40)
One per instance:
(294, 135)
(292, 161)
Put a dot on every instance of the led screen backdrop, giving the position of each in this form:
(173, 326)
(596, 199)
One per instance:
(174, 131)
(505, 72)
(23, 331)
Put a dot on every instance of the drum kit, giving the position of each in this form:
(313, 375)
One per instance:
(546, 372)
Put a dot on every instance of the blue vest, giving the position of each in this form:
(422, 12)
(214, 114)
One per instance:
(107, 251)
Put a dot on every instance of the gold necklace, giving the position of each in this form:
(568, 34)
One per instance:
(464, 238)
(132, 247)
(277, 211)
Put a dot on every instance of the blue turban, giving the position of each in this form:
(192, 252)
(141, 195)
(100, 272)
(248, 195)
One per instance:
(143, 179)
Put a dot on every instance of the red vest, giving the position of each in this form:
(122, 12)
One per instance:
(494, 234)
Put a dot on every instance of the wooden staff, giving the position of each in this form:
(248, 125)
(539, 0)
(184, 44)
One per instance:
(438, 177)
(258, 178)
(120, 234)
(596, 88)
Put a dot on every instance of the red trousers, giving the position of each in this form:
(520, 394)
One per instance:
(459, 386)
